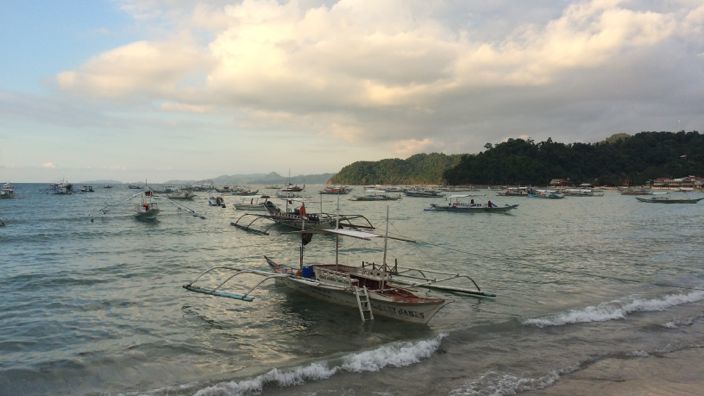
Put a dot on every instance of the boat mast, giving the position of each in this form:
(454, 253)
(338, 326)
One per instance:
(337, 227)
(386, 234)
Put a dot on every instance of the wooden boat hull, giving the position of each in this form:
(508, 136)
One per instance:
(420, 313)
(147, 215)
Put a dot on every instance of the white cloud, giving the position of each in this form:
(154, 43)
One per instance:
(397, 71)
(49, 165)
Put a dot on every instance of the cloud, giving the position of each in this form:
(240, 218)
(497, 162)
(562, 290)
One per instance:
(49, 165)
(407, 147)
(395, 71)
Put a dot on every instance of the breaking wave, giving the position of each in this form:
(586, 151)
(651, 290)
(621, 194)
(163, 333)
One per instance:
(493, 383)
(615, 310)
(398, 354)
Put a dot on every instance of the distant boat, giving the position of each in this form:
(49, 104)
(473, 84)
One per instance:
(514, 192)
(87, 189)
(183, 195)
(669, 200)
(62, 188)
(376, 195)
(107, 186)
(424, 193)
(546, 194)
(458, 204)
(582, 192)
(216, 200)
(293, 188)
(7, 191)
(635, 191)
(134, 187)
(253, 204)
(337, 190)
(147, 209)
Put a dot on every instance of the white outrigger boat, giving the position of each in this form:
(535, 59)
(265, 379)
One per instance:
(373, 289)
(148, 208)
(256, 203)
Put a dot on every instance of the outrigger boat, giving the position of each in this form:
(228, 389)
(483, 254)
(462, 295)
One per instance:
(62, 188)
(183, 195)
(458, 205)
(148, 208)
(514, 192)
(299, 218)
(423, 193)
(254, 203)
(373, 289)
(336, 190)
(669, 200)
(376, 195)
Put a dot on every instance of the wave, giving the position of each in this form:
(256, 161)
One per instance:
(493, 383)
(399, 354)
(615, 310)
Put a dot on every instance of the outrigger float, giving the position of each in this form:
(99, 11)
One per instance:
(373, 289)
(299, 219)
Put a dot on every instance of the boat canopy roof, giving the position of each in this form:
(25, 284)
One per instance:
(353, 233)
(460, 196)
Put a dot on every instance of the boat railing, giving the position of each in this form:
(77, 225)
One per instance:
(324, 274)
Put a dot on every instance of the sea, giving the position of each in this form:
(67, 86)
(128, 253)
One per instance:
(92, 303)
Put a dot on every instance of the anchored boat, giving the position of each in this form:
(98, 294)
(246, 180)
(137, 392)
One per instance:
(373, 289)
(148, 208)
(669, 200)
(457, 204)
(299, 218)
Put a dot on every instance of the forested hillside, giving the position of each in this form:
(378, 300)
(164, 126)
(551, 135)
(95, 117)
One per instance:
(620, 159)
(417, 169)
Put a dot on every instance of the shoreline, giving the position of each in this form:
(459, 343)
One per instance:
(672, 373)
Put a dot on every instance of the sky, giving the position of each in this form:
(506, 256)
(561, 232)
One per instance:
(183, 89)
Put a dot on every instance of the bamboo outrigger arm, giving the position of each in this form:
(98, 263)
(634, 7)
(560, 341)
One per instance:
(238, 271)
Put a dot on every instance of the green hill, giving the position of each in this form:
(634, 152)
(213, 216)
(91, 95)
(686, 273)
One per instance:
(417, 169)
(617, 160)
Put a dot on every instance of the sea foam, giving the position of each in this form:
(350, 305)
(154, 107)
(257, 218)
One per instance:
(616, 309)
(398, 354)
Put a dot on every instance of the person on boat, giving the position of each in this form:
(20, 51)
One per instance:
(302, 209)
(471, 202)
(489, 204)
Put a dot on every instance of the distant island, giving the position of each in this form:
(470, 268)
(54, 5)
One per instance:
(619, 160)
(259, 178)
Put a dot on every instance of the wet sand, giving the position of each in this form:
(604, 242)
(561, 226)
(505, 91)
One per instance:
(675, 373)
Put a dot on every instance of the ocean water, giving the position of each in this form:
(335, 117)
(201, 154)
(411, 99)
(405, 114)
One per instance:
(93, 304)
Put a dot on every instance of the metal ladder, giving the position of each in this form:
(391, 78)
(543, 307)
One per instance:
(363, 304)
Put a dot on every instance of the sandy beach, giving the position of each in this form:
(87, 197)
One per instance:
(675, 373)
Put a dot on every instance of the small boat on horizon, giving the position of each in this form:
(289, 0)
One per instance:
(87, 188)
(62, 188)
(7, 191)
